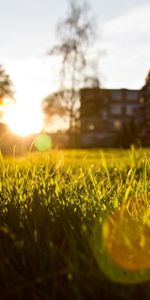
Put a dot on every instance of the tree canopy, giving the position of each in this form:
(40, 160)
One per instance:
(75, 35)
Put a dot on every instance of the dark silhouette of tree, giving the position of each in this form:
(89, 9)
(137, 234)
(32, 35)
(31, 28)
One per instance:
(6, 86)
(145, 112)
(146, 88)
(75, 36)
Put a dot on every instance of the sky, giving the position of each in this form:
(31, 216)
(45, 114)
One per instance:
(27, 32)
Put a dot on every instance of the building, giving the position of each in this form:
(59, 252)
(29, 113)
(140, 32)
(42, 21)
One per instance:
(109, 117)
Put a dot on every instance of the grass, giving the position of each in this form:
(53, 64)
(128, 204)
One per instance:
(54, 212)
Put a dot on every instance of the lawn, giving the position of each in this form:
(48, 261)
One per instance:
(75, 224)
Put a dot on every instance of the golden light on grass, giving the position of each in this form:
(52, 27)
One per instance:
(127, 240)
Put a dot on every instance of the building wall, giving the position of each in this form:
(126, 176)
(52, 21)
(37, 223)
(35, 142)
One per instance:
(104, 114)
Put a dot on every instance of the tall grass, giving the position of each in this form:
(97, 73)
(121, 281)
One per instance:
(51, 204)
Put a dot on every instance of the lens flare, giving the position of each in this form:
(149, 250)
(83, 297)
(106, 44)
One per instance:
(124, 241)
(43, 142)
(127, 241)
(121, 244)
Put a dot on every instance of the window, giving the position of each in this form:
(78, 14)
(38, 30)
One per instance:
(132, 95)
(104, 113)
(106, 100)
(116, 109)
(141, 100)
(131, 109)
(117, 124)
(116, 95)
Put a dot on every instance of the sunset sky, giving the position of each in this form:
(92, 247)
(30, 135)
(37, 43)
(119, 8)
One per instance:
(27, 31)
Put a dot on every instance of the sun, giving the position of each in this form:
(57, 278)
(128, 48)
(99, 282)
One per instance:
(23, 120)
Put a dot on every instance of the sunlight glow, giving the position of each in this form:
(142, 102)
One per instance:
(56, 124)
(23, 120)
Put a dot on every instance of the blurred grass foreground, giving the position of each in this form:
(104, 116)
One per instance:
(75, 224)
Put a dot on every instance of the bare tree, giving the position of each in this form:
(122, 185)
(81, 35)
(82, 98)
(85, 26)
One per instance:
(6, 90)
(59, 105)
(75, 34)
(6, 86)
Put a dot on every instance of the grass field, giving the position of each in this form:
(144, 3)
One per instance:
(75, 224)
